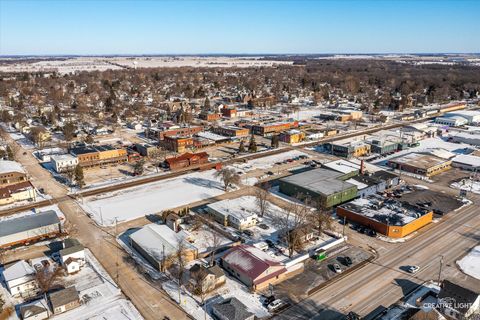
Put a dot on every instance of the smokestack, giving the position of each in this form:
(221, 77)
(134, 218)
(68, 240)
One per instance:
(362, 169)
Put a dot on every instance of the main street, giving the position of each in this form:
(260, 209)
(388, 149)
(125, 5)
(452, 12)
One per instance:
(383, 282)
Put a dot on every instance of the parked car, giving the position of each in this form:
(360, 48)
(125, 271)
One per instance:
(270, 173)
(275, 305)
(371, 232)
(270, 243)
(268, 300)
(248, 232)
(413, 269)
(336, 268)
(347, 260)
(263, 226)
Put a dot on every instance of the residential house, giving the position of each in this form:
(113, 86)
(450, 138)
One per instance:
(458, 302)
(20, 279)
(64, 300)
(232, 309)
(35, 310)
(17, 192)
(72, 256)
(237, 213)
(211, 277)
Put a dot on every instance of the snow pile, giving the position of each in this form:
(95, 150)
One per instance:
(135, 202)
(470, 264)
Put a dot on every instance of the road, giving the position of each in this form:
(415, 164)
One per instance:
(383, 282)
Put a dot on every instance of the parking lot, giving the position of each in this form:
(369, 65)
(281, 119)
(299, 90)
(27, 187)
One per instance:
(317, 273)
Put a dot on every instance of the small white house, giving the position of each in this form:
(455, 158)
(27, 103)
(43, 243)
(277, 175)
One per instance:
(72, 256)
(20, 279)
(64, 162)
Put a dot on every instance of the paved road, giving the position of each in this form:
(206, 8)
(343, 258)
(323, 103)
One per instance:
(382, 282)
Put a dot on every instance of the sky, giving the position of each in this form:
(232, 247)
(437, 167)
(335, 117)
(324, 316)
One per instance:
(89, 27)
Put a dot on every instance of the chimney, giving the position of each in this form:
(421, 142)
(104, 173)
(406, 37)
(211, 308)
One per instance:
(362, 169)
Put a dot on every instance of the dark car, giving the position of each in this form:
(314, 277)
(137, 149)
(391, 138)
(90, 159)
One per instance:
(248, 233)
(268, 300)
(270, 243)
(263, 226)
(371, 233)
(361, 229)
(347, 261)
(270, 173)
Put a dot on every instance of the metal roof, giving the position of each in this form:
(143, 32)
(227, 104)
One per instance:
(29, 222)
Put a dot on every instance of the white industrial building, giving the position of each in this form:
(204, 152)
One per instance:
(466, 162)
(472, 116)
(452, 121)
(30, 228)
(64, 162)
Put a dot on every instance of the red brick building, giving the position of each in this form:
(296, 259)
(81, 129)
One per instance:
(177, 143)
(186, 131)
(186, 160)
(270, 128)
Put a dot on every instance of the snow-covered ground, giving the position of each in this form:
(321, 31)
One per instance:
(470, 264)
(267, 162)
(22, 140)
(135, 202)
(467, 184)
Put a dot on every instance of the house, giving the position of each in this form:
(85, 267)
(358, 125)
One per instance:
(72, 256)
(211, 277)
(253, 267)
(232, 309)
(20, 279)
(35, 310)
(11, 172)
(64, 300)
(458, 302)
(17, 192)
(64, 162)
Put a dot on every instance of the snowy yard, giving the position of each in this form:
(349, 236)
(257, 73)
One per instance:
(467, 184)
(267, 162)
(470, 264)
(152, 198)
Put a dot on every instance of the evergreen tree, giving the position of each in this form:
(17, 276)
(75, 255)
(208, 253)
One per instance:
(241, 147)
(275, 141)
(252, 147)
(138, 168)
(79, 178)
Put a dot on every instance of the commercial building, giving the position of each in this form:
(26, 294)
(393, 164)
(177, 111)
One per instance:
(348, 148)
(467, 162)
(146, 149)
(291, 136)
(387, 145)
(238, 213)
(388, 217)
(451, 121)
(64, 162)
(209, 116)
(22, 191)
(157, 242)
(186, 160)
(11, 172)
(268, 129)
(469, 137)
(231, 131)
(91, 156)
(183, 131)
(420, 163)
(178, 144)
(327, 187)
(253, 267)
(30, 228)
(470, 116)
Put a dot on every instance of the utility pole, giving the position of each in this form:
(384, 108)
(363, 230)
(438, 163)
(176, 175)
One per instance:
(118, 253)
(440, 270)
(344, 223)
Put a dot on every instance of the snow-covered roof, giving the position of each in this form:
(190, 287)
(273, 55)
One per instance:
(154, 237)
(342, 166)
(359, 185)
(212, 136)
(62, 157)
(17, 270)
(473, 161)
(441, 153)
(10, 166)
(240, 208)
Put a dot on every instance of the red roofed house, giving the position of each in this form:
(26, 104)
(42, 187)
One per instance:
(253, 267)
(186, 160)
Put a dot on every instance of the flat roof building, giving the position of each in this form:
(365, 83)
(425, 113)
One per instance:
(420, 163)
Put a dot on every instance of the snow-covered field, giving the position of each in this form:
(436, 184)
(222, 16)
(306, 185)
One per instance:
(152, 198)
(470, 264)
(267, 162)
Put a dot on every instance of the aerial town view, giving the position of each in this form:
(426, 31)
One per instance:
(239, 160)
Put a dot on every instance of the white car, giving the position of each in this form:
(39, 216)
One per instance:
(413, 269)
(275, 305)
(337, 268)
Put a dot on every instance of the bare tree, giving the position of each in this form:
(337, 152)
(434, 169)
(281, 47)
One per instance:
(48, 277)
(293, 220)
(214, 242)
(229, 177)
(321, 219)
(263, 205)
(199, 288)
(177, 262)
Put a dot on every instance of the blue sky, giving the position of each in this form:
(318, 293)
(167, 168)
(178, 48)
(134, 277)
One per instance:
(235, 26)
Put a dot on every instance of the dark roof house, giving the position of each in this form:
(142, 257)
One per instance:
(232, 309)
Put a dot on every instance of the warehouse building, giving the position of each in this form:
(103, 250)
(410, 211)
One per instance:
(30, 228)
(388, 217)
(324, 186)
(11, 172)
(348, 148)
(420, 163)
